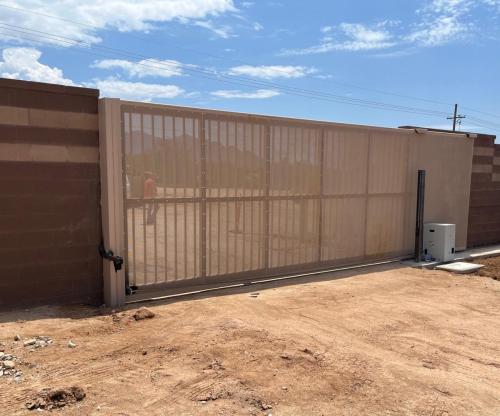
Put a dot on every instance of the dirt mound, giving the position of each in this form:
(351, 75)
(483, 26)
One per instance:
(491, 267)
(51, 399)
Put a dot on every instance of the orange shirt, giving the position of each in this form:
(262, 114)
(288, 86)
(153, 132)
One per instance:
(149, 188)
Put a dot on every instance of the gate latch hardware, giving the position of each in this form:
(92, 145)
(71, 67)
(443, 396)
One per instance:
(109, 255)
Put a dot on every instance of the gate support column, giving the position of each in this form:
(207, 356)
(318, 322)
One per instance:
(111, 164)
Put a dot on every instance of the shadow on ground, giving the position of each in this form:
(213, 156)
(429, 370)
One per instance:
(145, 297)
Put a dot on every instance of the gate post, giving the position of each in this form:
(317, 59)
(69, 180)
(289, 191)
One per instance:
(111, 164)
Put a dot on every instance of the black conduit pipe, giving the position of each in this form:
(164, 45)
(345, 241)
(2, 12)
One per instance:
(419, 223)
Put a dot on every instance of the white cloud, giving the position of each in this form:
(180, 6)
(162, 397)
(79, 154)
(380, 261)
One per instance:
(84, 19)
(439, 31)
(439, 22)
(355, 37)
(257, 27)
(140, 91)
(324, 76)
(23, 63)
(362, 37)
(442, 21)
(272, 71)
(258, 94)
(143, 68)
(445, 21)
(223, 32)
(493, 3)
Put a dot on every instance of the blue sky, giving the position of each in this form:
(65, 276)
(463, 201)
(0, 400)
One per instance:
(348, 61)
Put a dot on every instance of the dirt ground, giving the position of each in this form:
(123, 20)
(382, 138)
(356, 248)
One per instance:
(491, 267)
(388, 340)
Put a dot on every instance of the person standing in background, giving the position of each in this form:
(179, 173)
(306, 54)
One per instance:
(150, 193)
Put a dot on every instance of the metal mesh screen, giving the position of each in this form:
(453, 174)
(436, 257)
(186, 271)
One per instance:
(211, 195)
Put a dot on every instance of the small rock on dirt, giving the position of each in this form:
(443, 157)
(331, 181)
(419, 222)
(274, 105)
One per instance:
(39, 341)
(143, 313)
(8, 367)
(17, 337)
(9, 364)
(29, 342)
(49, 399)
(71, 344)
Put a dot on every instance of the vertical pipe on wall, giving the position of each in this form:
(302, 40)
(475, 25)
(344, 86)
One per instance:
(419, 224)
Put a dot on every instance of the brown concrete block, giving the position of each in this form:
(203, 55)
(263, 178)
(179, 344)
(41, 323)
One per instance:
(45, 87)
(482, 168)
(24, 257)
(19, 97)
(484, 151)
(480, 178)
(62, 120)
(484, 140)
(50, 136)
(14, 116)
(48, 171)
(56, 187)
(482, 160)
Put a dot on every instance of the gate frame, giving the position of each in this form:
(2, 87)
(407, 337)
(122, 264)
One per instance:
(111, 127)
(111, 164)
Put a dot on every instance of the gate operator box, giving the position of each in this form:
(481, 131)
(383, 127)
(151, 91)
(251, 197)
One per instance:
(439, 241)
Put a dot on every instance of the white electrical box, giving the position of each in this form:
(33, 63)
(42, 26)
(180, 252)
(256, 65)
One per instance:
(439, 241)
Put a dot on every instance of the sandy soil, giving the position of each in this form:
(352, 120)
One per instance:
(491, 267)
(390, 341)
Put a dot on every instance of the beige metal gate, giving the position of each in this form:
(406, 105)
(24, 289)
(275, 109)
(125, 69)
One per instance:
(241, 196)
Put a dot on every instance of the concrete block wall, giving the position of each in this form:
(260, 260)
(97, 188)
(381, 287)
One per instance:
(484, 209)
(49, 195)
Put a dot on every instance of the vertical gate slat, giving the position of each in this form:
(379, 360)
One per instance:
(165, 182)
(219, 186)
(145, 261)
(194, 134)
(203, 194)
(184, 204)
(267, 177)
(133, 210)
(321, 192)
(174, 139)
(124, 187)
(367, 191)
(155, 234)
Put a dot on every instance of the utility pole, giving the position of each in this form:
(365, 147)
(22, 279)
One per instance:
(455, 117)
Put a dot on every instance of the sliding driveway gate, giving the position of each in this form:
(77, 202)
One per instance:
(213, 196)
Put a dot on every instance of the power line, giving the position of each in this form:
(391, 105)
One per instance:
(22, 10)
(481, 112)
(255, 83)
(222, 77)
(229, 79)
(495, 125)
(483, 125)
